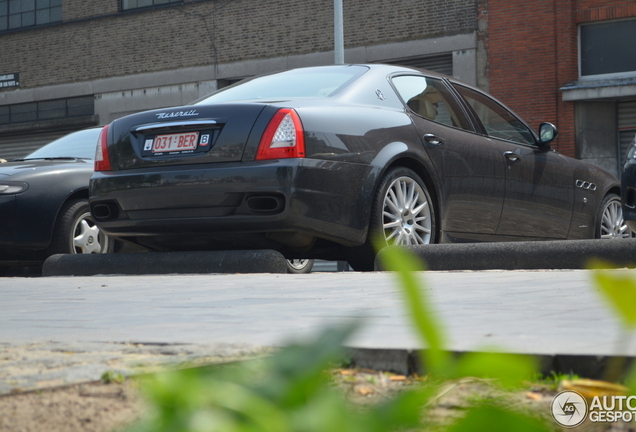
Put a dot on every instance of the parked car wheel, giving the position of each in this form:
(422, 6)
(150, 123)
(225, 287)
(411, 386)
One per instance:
(76, 232)
(299, 265)
(402, 214)
(609, 221)
(403, 211)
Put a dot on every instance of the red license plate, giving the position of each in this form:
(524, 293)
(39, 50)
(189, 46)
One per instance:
(175, 142)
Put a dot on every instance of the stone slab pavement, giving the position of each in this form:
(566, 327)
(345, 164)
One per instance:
(62, 330)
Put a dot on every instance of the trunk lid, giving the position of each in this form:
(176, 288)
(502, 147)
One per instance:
(195, 134)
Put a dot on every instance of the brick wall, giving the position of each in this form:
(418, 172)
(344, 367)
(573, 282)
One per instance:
(97, 42)
(526, 61)
(533, 51)
(74, 10)
(592, 10)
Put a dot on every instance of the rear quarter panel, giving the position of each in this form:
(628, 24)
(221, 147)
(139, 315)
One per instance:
(367, 136)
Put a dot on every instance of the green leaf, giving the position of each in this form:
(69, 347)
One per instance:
(298, 372)
(509, 369)
(619, 289)
(404, 410)
(497, 419)
(630, 380)
(437, 360)
(110, 377)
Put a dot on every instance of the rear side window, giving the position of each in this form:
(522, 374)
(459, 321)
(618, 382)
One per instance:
(497, 120)
(429, 98)
(310, 82)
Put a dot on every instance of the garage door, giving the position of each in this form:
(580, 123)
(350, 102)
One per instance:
(626, 127)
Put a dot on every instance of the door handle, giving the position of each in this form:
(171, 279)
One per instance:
(512, 156)
(435, 140)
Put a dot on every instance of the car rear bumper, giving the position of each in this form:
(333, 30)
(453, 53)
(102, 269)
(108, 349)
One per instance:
(313, 197)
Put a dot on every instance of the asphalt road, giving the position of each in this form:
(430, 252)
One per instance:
(57, 330)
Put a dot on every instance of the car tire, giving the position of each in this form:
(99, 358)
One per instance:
(393, 219)
(299, 266)
(610, 223)
(75, 231)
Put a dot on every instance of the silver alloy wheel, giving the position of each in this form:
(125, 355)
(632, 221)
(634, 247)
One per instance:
(406, 213)
(613, 225)
(298, 264)
(86, 237)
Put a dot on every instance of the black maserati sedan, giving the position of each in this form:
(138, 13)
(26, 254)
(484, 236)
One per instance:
(44, 202)
(316, 162)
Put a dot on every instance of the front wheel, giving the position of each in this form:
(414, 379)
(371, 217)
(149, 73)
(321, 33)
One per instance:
(76, 232)
(402, 214)
(609, 220)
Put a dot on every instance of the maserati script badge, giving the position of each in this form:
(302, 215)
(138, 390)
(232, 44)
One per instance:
(177, 114)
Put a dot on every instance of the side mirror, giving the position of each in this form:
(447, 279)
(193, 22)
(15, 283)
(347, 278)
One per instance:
(547, 133)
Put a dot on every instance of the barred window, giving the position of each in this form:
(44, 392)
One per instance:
(47, 110)
(15, 14)
(137, 4)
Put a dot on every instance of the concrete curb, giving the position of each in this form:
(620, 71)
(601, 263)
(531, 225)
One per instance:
(407, 362)
(251, 261)
(56, 368)
(535, 255)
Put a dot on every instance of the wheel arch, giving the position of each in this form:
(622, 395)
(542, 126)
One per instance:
(421, 170)
(615, 190)
(81, 193)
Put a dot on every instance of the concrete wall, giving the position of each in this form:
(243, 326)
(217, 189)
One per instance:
(96, 42)
(139, 60)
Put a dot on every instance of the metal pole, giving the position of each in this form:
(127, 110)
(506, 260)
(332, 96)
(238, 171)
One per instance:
(338, 33)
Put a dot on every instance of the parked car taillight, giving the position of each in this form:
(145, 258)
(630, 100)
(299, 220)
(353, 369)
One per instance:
(102, 161)
(283, 137)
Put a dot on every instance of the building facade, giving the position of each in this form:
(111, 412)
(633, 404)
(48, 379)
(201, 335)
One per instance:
(103, 59)
(571, 62)
(70, 64)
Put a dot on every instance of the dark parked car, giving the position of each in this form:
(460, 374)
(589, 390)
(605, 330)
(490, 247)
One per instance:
(313, 161)
(44, 202)
(628, 187)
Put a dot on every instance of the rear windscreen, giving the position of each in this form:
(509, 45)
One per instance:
(308, 82)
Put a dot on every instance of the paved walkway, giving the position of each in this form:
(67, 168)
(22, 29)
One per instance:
(58, 330)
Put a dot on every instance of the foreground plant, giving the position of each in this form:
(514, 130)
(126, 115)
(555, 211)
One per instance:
(292, 390)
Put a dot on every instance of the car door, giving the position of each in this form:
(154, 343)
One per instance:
(469, 167)
(539, 195)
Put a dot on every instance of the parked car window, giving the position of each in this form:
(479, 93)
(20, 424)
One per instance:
(498, 121)
(429, 98)
(317, 83)
(79, 145)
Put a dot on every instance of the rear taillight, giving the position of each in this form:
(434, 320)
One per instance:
(283, 137)
(102, 161)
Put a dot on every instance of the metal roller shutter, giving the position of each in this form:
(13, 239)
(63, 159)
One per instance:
(18, 146)
(626, 127)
